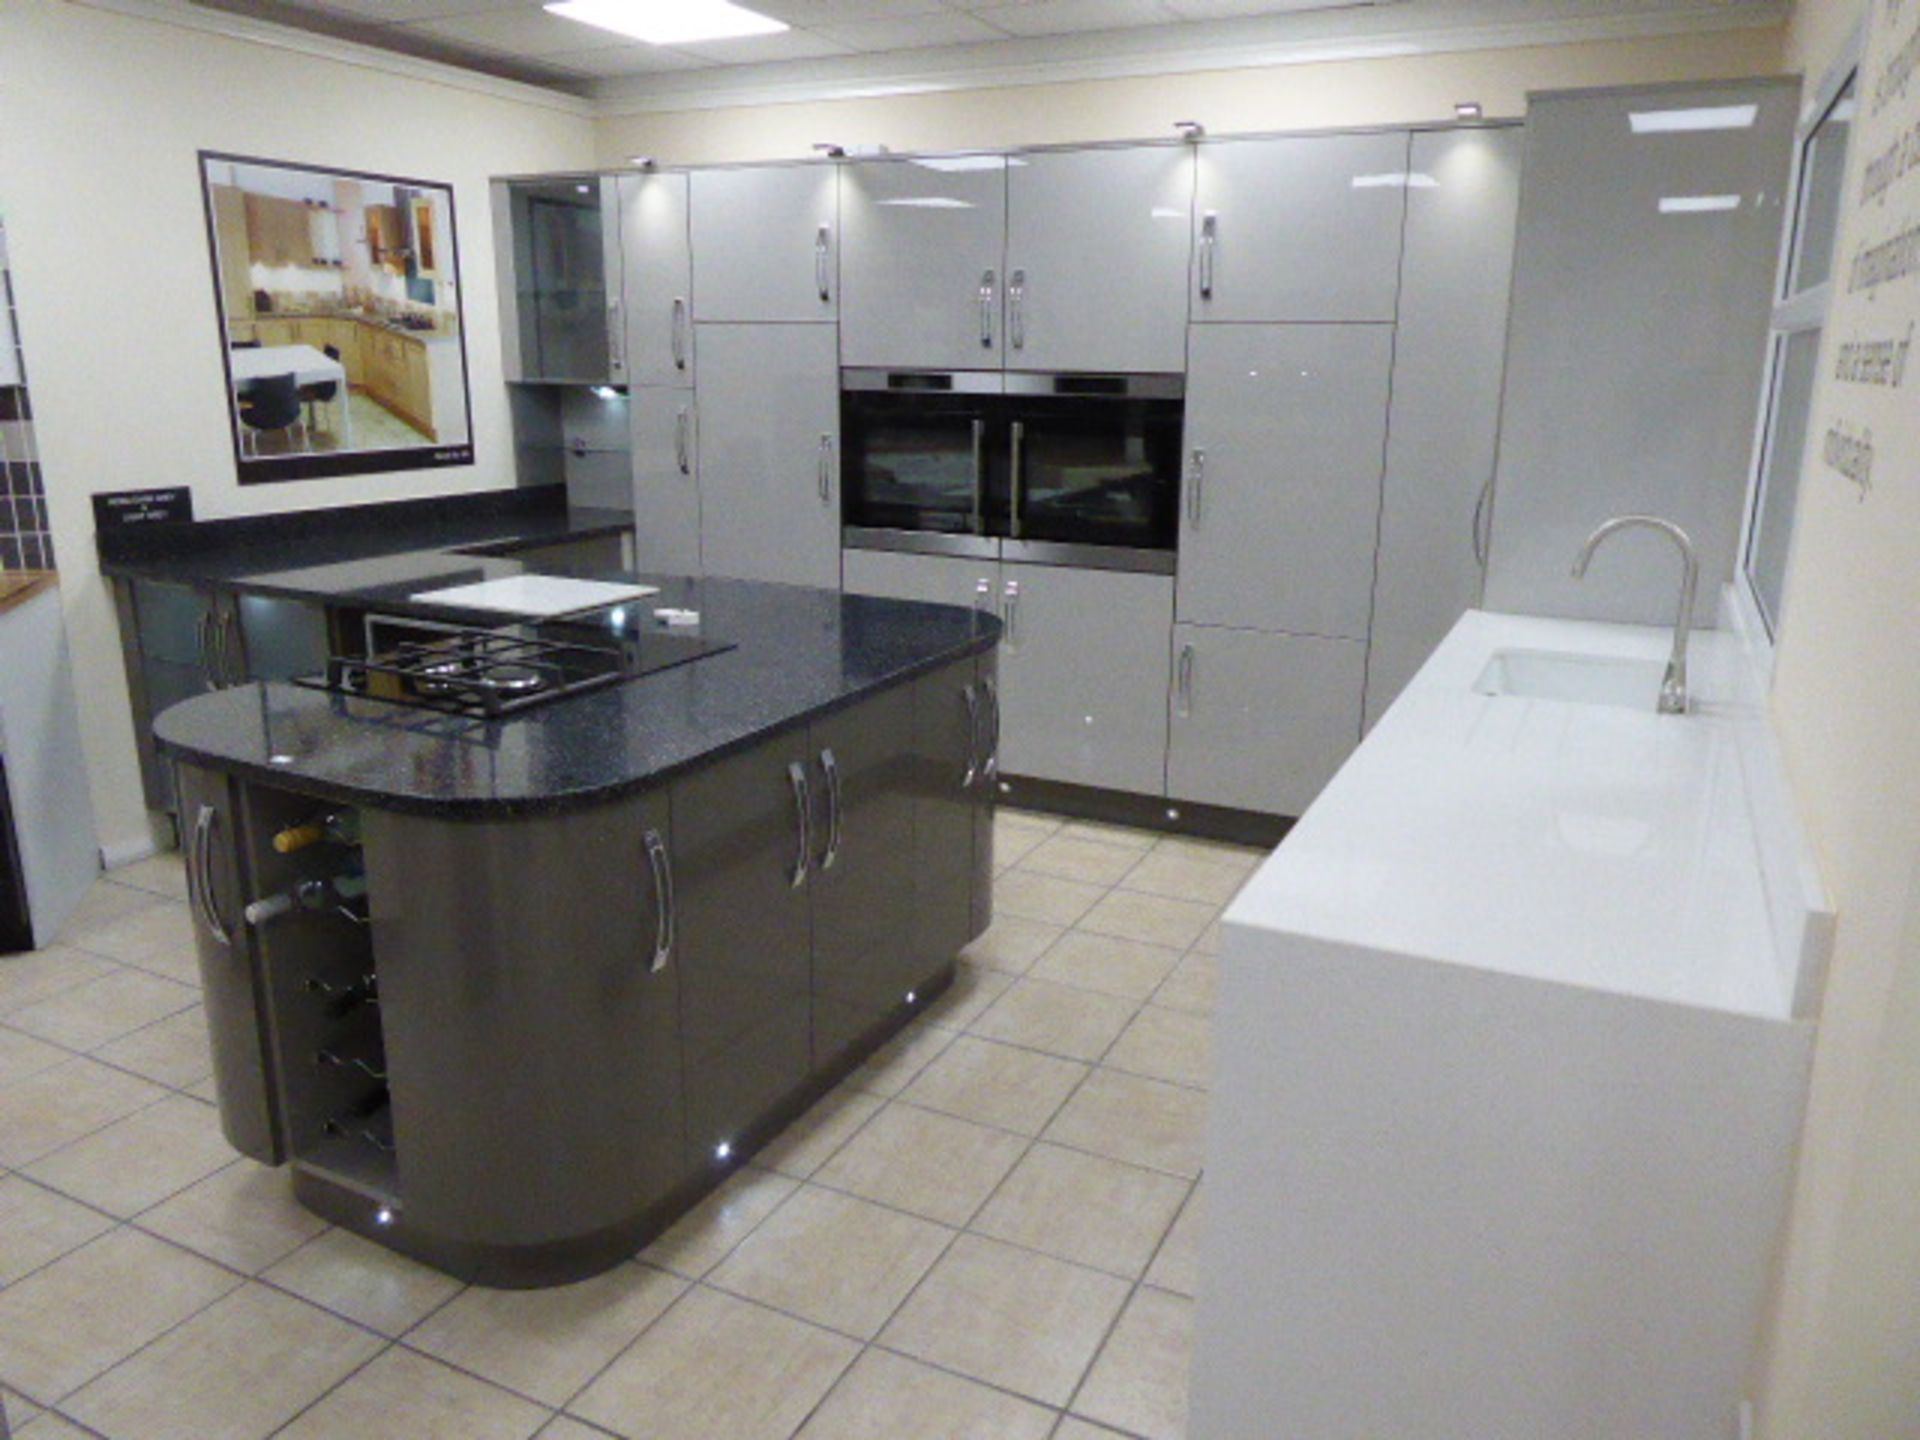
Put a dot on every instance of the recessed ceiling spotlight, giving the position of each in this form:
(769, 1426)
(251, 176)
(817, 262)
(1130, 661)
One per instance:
(669, 22)
(1468, 110)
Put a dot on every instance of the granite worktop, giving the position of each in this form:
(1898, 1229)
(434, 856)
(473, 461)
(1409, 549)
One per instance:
(796, 654)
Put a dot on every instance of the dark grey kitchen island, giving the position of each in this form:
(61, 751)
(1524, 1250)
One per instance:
(518, 988)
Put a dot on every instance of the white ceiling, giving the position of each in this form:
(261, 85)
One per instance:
(854, 38)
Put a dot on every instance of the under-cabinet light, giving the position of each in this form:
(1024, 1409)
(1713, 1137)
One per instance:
(930, 202)
(951, 163)
(669, 22)
(1697, 204)
(1698, 117)
(606, 392)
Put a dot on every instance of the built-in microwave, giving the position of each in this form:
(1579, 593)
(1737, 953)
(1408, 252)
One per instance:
(1015, 464)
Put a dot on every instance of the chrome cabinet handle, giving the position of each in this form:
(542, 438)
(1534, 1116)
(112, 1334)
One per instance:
(983, 594)
(1197, 479)
(971, 699)
(616, 341)
(987, 282)
(203, 646)
(678, 332)
(1480, 537)
(822, 251)
(1019, 477)
(991, 765)
(1185, 683)
(1209, 238)
(661, 863)
(1017, 309)
(826, 469)
(1010, 612)
(803, 819)
(233, 649)
(682, 443)
(979, 478)
(830, 768)
(203, 824)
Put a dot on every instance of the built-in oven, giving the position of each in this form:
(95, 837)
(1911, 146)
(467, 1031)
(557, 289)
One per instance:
(1068, 468)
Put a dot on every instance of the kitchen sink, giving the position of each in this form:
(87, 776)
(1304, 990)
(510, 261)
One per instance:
(1574, 678)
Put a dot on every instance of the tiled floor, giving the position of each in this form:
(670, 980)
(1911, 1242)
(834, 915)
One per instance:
(988, 1233)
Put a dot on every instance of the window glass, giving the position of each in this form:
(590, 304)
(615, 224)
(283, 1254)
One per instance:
(1797, 360)
(1823, 176)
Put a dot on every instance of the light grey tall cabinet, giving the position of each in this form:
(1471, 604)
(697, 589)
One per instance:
(657, 286)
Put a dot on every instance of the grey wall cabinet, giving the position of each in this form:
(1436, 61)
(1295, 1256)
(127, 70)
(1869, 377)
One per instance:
(1636, 345)
(769, 453)
(1083, 676)
(1299, 227)
(1260, 722)
(656, 252)
(1286, 429)
(557, 257)
(1098, 243)
(666, 486)
(766, 243)
(1449, 355)
(922, 270)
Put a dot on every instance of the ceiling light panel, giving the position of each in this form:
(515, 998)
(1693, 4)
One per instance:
(1698, 117)
(669, 22)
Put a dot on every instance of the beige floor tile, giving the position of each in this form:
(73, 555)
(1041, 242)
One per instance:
(1022, 1321)
(59, 1105)
(238, 1370)
(1084, 1208)
(1012, 944)
(172, 1052)
(1106, 963)
(548, 1343)
(139, 1161)
(38, 1226)
(1127, 835)
(891, 1068)
(22, 1055)
(1072, 1427)
(1043, 897)
(1177, 1266)
(1187, 876)
(156, 935)
(104, 902)
(563, 1427)
(1017, 836)
(832, 1120)
(63, 1325)
(974, 988)
(17, 1411)
(1247, 858)
(996, 1084)
(28, 979)
(716, 1366)
(834, 1260)
(402, 1394)
(244, 1216)
(354, 1277)
(1072, 857)
(1209, 941)
(702, 1238)
(90, 1015)
(1141, 1121)
(1139, 1383)
(888, 1397)
(1156, 919)
(923, 1162)
(1193, 985)
(1174, 1045)
(162, 874)
(1059, 1019)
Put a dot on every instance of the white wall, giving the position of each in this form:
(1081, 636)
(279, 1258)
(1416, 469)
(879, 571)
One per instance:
(1393, 91)
(101, 112)
(1845, 1353)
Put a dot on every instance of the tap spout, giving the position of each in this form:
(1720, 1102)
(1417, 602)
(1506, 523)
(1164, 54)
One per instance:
(1673, 688)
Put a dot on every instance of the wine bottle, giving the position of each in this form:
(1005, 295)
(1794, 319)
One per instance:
(336, 891)
(341, 828)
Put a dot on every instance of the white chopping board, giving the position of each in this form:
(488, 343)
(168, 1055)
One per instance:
(539, 596)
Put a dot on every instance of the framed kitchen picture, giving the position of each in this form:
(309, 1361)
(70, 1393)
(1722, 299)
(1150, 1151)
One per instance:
(338, 296)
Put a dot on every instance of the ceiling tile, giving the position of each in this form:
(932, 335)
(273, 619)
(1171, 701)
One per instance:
(1062, 17)
(949, 28)
(758, 49)
(611, 60)
(400, 12)
(522, 31)
(816, 14)
(1238, 9)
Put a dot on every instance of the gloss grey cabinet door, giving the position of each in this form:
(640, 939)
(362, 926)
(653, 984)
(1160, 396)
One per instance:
(666, 487)
(1083, 676)
(1097, 249)
(936, 579)
(1448, 359)
(1300, 227)
(921, 272)
(769, 453)
(765, 243)
(1286, 432)
(656, 262)
(1260, 722)
(953, 787)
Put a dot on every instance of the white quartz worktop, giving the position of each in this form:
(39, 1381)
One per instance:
(1591, 845)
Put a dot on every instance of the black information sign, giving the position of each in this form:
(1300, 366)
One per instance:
(142, 507)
